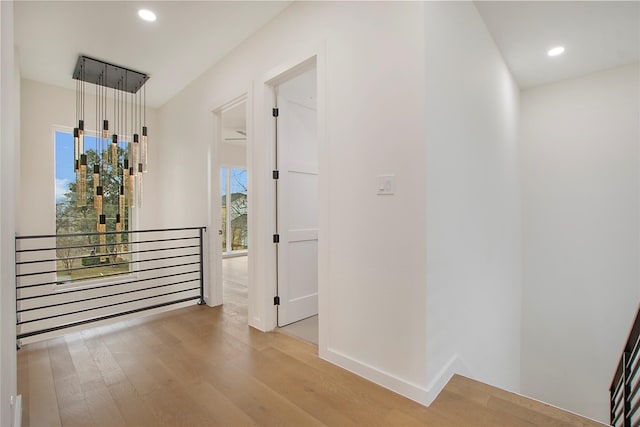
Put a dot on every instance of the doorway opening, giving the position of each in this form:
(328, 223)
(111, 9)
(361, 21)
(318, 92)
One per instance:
(234, 190)
(296, 191)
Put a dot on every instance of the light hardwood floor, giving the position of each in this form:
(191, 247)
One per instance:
(201, 366)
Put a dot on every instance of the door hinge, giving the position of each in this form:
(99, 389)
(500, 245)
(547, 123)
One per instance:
(276, 238)
(276, 174)
(276, 112)
(276, 300)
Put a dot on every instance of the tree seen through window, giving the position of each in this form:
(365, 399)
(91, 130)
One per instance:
(74, 219)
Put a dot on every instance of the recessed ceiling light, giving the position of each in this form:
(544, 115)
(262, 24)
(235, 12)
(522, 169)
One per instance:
(558, 50)
(147, 15)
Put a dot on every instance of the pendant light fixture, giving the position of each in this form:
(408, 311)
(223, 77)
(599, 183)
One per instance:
(119, 148)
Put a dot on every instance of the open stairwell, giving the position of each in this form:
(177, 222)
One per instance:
(465, 402)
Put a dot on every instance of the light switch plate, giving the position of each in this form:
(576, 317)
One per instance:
(386, 185)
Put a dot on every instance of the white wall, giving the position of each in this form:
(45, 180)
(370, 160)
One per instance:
(473, 202)
(9, 137)
(233, 155)
(371, 107)
(581, 193)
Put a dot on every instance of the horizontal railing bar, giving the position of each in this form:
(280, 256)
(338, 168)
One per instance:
(116, 253)
(633, 358)
(105, 265)
(90, 245)
(110, 275)
(87, 267)
(99, 318)
(617, 387)
(633, 372)
(105, 296)
(48, 236)
(106, 306)
(108, 285)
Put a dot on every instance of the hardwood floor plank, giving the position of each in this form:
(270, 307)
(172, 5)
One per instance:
(40, 388)
(537, 412)
(71, 402)
(103, 408)
(220, 409)
(133, 409)
(145, 378)
(395, 417)
(85, 367)
(23, 382)
(472, 414)
(300, 389)
(61, 363)
(174, 408)
(109, 369)
(263, 405)
(312, 391)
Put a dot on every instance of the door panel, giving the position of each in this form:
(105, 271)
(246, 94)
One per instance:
(302, 212)
(302, 273)
(297, 199)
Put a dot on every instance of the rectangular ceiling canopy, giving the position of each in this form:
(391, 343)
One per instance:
(105, 74)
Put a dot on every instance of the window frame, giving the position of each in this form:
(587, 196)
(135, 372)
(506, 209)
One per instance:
(228, 252)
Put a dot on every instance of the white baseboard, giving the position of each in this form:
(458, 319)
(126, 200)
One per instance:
(454, 366)
(403, 387)
(408, 389)
(16, 409)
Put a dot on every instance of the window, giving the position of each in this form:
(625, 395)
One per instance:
(234, 209)
(71, 218)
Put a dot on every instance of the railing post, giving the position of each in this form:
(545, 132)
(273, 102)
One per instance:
(626, 390)
(201, 302)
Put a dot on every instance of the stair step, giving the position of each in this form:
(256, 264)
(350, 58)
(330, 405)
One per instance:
(479, 404)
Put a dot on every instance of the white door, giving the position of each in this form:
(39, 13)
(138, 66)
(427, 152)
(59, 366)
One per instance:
(297, 198)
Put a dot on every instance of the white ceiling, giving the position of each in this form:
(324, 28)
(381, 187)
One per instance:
(596, 34)
(187, 38)
(190, 36)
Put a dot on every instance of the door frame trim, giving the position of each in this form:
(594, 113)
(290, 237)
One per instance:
(215, 288)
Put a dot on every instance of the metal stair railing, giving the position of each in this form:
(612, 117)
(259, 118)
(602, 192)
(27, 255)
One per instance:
(67, 280)
(625, 399)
